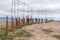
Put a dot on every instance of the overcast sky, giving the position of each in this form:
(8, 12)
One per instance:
(46, 6)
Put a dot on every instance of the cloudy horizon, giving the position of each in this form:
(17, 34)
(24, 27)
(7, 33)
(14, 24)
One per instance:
(50, 8)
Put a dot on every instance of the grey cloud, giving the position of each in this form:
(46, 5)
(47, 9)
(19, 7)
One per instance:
(5, 5)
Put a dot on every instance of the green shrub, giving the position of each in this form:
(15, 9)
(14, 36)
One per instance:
(23, 33)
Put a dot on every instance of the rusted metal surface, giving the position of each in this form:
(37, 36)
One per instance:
(16, 22)
(23, 21)
(6, 25)
(19, 21)
(27, 21)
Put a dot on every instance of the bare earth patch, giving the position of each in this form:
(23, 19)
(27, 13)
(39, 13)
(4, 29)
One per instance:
(39, 31)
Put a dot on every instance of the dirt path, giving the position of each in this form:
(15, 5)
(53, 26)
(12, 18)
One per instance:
(38, 34)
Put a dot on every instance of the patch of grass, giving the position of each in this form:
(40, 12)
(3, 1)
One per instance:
(2, 28)
(22, 33)
(56, 36)
(10, 30)
(47, 31)
(3, 36)
(12, 33)
(19, 33)
(50, 20)
(6, 38)
(2, 32)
